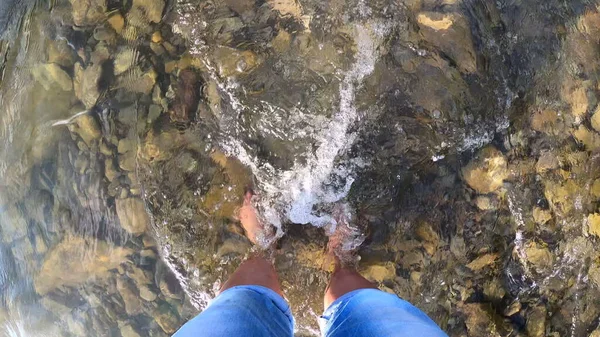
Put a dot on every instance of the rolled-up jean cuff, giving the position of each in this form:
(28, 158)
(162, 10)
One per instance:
(279, 301)
(247, 310)
(374, 313)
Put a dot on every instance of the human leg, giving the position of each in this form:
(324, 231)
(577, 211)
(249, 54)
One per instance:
(355, 307)
(250, 303)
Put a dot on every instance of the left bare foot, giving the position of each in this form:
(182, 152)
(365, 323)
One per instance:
(256, 231)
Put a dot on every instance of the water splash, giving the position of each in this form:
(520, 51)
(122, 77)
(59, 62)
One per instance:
(294, 194)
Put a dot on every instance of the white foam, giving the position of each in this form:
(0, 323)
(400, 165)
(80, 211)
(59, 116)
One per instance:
(292, 194)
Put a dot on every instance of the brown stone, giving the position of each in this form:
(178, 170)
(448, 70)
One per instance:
(74, 261)
(487, 171)
(132, 215)
(451, 33)
(482, 261)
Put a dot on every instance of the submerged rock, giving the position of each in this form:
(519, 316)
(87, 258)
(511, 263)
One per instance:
(85, 84)
(75, 260)
(593, 224)
(88, 12)
(52, 76)
(166, 318)
(14, 225)
(87, 128)
(128, 331)
(130, 296)
(124, 60)
(539, 256)
(487, 171)
(132, 215)
(480, 321)
(536, 322)
(186, 97)
(482, 262)
(451, 33)
(380, 273)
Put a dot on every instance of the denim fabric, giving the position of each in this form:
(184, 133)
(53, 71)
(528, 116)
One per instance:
(256, 311)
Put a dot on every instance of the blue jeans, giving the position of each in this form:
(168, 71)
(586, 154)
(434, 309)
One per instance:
(256, 311)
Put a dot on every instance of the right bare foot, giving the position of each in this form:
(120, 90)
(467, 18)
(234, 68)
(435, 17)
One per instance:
(344, 238)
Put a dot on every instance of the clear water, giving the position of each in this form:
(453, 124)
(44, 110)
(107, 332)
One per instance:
(460, 137)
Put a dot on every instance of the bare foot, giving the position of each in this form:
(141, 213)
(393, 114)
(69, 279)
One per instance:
(256, 231)
(344, 238)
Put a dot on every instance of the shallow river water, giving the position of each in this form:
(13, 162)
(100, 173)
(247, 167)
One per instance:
(461, 138)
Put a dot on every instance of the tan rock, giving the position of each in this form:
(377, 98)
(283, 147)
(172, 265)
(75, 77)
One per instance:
(593, 224)
(590, 139)
(536, 322)
(127, 161)
(482, 261)
(290, 8)
(61, 54)
(14, 224)
(579, 102)
(87, 128)
(110, 171)
(479, 320)
(430, 237)
(561, 194)
(85, 84)
(157, 37)
(166, 318)
(129, 331)
(88, 12)
(124, 60)
(117, 22)
(487, 171)
(143, 12)
(486, 203)
(380, 273)
(52, 75)
(451, 33)
(541, 216)
(132, 215)
(596, 188)
(83, 260)
(233, 62)
(547, 161)
(539, 256)
(594, 274)
(595, 120)
(130, 296)
(147, 294)
(547, 121)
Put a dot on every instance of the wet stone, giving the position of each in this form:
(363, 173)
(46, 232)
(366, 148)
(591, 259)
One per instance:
(451, 33)
(87, 128)
(124, 60)
(541, 216)
(117, 22)
(128, 331)
(487, 171)
(536, 322)
(166, 318)
(132, 215)
(52, 76)
(539, 256)
(14, 224)
(85, 84)
(88, 12)
(147, 294)
(94, 265)
(130, 296)
(593, 224)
